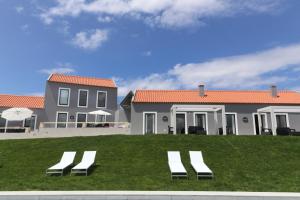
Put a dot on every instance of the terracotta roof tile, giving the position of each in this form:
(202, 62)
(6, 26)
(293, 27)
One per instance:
(215, 97)
(79, 80)
(21, 101)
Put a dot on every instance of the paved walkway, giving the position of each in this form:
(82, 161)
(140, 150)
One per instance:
(155, 195)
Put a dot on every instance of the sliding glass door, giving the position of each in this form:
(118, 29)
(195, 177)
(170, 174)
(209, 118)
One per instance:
(281, 120)
(200, 120)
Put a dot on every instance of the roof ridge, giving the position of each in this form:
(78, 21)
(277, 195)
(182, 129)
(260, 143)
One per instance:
(78, 76)
(262, 91)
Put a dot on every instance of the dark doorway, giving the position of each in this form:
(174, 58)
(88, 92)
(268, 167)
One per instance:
(256, 124)
(180, 123)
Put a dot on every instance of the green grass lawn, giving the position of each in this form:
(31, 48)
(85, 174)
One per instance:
(240, 163)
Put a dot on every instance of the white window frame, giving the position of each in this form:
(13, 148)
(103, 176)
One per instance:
(287, 118)
(58, 96)
(87, 98)
(144, 116)
(236, 121)
(206, 120)
(100, 115)
(185, 119)
(34, 122)
(266, 122)
(78, 113)
(64, 112)
(105, 99)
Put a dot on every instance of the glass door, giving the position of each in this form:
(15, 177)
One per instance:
(180, 123)
(62, 119)
(200, 120)
(149, 123)
(30, 122)
(281, 121)
(81, 118)
(231, 124)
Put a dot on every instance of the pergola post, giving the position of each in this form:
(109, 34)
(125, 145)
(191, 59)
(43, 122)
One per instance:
(224, 123)
(216, 122)
(173, 122)
(273, 121)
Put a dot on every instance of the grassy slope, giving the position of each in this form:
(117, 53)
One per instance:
(140, 163)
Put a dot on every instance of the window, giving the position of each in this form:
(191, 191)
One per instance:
(231, 121)
(100, 118)
(149, 123)
(2, 121)
(81, 119)
(61, 120)
(200, 120)
(282, 120)
(101, 99)
(63, 96)
(30, 122)
(83, 98)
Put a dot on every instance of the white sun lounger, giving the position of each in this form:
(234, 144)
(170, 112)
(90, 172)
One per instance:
(66, 160)
(176, 167)
(87, 161)
(199, 166)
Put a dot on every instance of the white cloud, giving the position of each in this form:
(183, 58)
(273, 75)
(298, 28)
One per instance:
(105, 19)
(153, 81)
(147, 53)
(90, 40)
(61, 68)
(237, 72)
(25, 28)
(19, 9)
(164, 13)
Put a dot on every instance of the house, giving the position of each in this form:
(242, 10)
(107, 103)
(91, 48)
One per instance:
(66, 103)
(36, 104)
(68, 99)
(211, 112)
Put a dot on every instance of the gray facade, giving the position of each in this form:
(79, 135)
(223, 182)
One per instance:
(243, 112)
(52, 107)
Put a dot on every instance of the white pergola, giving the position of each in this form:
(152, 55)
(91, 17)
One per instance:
(199, 108)
(276, 109)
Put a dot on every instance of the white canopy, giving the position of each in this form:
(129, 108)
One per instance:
(99, 112)
(16, 114)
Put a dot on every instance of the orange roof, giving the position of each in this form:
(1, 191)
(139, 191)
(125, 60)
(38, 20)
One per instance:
(79, 80)
(21, 101)
(215, 97)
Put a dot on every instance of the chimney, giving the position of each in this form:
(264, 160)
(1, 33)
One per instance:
(274, 93)
(201, 90)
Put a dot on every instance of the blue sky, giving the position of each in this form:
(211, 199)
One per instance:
(151, 44)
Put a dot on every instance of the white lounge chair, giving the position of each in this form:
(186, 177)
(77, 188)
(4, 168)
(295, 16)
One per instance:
(176, 167)
(87, 161)
(199, 166)
(66, 160)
